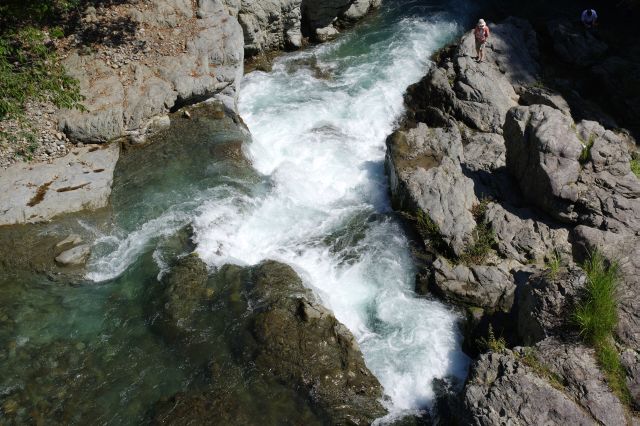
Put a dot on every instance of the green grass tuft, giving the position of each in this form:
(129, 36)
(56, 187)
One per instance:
(585, 155)
(491, 343)
(635, 166)
(553, 263)
(597, 318)
(597, 315)
(483, 241)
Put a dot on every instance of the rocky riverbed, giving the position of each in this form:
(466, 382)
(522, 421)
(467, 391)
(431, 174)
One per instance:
(160, 266)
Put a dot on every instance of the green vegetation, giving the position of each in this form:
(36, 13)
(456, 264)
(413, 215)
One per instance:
(483, 241)
(635, 164)
(553, 263)
(29, 65)
(596, 316)
(585, 155)
(491, 343)
(430, 232)
(483, 236)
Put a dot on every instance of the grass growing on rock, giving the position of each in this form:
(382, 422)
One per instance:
(553, 263)
(483, 236)
(530, 359)
(635, 165)
(491, 342)
(585, 155)
(597, 318)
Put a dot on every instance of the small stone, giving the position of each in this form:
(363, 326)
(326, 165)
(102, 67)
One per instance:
(72, 239)
(59, 136)
(186, 114)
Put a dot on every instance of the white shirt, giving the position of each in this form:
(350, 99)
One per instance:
(589, 20)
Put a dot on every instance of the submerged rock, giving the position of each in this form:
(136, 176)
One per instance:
(270, 322)
(75, 256)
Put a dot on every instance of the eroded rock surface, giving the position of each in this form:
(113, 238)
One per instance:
(82, 180)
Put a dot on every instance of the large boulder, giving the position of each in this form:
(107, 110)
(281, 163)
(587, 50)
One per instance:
(269, 321)
(203, 58)
(522, 235)
(553, 384)
(543, 153)
(270, 25)
(301, 342)
(426, 178)
(546, 303)
(319, 17)
(480, 94)
(577, 174)
(490, 287)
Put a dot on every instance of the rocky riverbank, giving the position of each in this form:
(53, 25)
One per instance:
(509, 194)
(137, 62)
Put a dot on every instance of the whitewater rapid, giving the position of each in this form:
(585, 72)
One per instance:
(319, 121)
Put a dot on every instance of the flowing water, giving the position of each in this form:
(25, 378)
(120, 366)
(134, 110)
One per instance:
(314, 196)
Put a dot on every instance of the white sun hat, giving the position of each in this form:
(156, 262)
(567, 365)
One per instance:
(481, 23)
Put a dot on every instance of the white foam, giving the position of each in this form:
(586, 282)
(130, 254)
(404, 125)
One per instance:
(321, 142)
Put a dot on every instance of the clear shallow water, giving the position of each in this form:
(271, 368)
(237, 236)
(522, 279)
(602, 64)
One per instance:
(74, 350)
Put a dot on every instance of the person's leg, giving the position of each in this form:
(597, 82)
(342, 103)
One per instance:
(481, 53)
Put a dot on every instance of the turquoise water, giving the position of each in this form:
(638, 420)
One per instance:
(83, 349)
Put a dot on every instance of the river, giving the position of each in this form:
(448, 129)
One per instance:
(314, 196)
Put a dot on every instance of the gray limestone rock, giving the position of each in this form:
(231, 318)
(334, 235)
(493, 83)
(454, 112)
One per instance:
(210, 63)
(502, 389)
(577, 174)
(543, 153)
(480, 94)
(546, 303)
(425, 175)
(484, 152)
(72, 239)
(576, 367)
(270, 25)
(539, 95)
(79, 181)
(521, 235)
(487, 286)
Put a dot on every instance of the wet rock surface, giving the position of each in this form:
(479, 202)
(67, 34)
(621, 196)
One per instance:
(278, 329)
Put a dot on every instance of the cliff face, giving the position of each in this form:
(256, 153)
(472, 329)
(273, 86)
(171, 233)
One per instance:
(504, 181)
(179, 52)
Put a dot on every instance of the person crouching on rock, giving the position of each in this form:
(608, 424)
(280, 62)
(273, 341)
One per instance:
(482, 35)
(589, 19)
